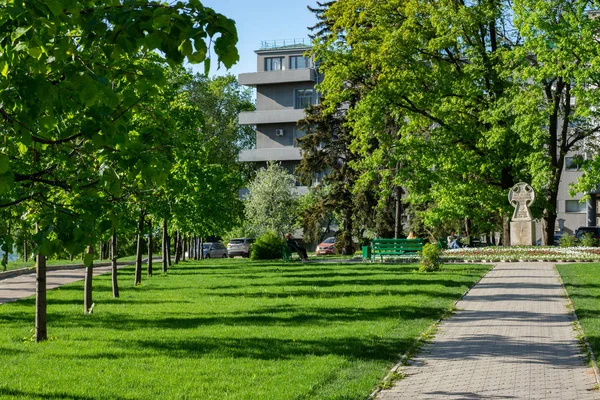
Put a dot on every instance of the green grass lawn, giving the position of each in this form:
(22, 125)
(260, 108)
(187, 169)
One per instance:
(227, 329)
(582, 282)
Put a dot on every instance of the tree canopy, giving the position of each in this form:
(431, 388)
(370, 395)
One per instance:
(457, 101)
(78, 97)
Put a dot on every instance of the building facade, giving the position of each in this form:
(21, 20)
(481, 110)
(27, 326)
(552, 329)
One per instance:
(285, 82)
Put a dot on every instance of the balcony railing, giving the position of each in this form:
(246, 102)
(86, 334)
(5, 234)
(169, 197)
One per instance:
(284, 43)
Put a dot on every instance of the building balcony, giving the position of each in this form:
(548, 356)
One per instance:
(275, 77)
(271, 154)
(271, 116)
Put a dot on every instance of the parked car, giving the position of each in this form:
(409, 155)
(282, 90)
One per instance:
(239, 247)
(594, 230)
(214, 250)
(327, 246)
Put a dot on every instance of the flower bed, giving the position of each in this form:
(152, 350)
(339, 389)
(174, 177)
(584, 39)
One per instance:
(531, 253)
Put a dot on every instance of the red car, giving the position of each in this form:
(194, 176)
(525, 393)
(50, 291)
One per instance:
(326, 247)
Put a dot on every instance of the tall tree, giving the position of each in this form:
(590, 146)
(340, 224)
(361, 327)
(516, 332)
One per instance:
(555, 100)
(422, 101)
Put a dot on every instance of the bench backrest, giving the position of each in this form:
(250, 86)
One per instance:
(397, 244)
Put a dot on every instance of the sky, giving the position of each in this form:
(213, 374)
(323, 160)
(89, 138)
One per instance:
(259, 20)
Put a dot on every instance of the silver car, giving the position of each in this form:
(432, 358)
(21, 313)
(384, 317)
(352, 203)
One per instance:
(214, 250)
(239, 247)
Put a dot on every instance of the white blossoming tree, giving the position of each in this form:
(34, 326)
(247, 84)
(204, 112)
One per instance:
(272, 201)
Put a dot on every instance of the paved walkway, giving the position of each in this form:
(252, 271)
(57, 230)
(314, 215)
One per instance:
(18, 287)
(512, 339)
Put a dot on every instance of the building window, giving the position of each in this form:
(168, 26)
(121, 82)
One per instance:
(299, 62)
(304, 98)
(274, 64)
(573, 163)
(574, 206)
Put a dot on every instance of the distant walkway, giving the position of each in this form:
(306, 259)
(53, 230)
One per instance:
(21, 286)
(511, 339)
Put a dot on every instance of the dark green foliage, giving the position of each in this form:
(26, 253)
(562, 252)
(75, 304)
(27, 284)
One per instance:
(430, 258)
(269, 246)
(567, 240)
(588, 240)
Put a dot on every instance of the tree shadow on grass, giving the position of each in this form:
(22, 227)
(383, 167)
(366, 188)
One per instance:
(268, 316)
(416, 281)
(5, 392)
(329, 294)
(370, 348)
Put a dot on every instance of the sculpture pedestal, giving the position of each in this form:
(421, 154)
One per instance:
(522, 233)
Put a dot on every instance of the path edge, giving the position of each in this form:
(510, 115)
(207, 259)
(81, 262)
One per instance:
(425, 334)
(579, 328)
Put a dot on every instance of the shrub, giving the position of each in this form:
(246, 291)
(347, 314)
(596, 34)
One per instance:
(566, 240)
(268, 246)
(430, 258)
(588, 240)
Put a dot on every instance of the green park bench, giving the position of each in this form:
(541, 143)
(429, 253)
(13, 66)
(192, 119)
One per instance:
(287, 253)
(392, 247)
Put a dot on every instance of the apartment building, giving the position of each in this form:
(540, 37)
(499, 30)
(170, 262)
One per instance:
(571, 213)
(284, 80)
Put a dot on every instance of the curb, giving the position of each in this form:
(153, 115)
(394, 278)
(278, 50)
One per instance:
(579, 328)
(421, 338)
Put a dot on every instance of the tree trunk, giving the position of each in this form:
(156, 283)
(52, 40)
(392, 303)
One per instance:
(185, 248)
(41, 334)
(177, 247)
(168, 249)
(347, 233)
(89, 274)
(25, 255)
(138, 254)
(201, 248)
(398, 218)
(505, 230)
(192, 248)
(5, 256)
(149, 270)
(468, 225)
(115, 282)
(164, 246)
(101, 251)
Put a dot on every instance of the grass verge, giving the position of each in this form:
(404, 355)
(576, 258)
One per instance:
(582, 282)
(228, 329)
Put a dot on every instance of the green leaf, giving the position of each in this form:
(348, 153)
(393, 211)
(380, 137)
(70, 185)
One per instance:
(88, 95)
(54, 6)
(161, 21)
(6, 183)
(4, 68)
(88, 260)
(48, 122)
(186, 47)
(206, 65)
(35, 52)
(4, 163)
(22, 148)
(20, 31)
